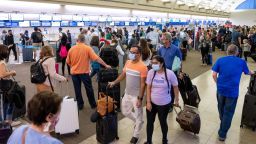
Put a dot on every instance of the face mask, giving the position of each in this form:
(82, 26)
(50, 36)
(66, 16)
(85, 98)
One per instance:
(131, 56)
(156, 67)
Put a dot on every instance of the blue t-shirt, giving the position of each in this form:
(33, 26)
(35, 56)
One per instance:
(32, 137)
(229, 69)
(169, 54)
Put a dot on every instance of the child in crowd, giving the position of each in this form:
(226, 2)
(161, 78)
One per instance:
(246, 48)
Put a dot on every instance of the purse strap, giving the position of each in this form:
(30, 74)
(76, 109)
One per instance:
(24, 135)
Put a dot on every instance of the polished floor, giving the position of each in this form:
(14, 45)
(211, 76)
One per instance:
(209, 118)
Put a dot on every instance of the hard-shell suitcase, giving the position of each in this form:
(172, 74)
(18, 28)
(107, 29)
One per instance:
(68, 120)
(107, 75)
(189, 119)
(107, 127)
(5, 128)
(27, 53)
(20, 112)
(249, 112)
(252, 85)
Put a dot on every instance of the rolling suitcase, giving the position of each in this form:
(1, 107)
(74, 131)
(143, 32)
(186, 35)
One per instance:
(5, 128)
(27, 53)
(249, 111)
(68, 120)
(107, 127)
(107, 75)
(189, 119)
(20, 112)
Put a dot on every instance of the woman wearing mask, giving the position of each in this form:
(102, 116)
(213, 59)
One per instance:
(146, 53)
(43, 112)
(159, 82)
(48, 62)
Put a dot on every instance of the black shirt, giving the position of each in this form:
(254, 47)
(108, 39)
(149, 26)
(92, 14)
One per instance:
(37, 37)
(9, 40)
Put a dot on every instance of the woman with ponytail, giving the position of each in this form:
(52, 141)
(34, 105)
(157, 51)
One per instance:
(159, 82)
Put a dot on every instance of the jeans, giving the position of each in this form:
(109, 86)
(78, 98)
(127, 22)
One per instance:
(130, 110)
(94, 71)
(7, 111)
(246, 54)
(162, 116)
(226, 107)
(85, 78)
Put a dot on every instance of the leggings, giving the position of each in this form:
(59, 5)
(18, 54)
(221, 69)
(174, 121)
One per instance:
(162, 116)
(63, 66)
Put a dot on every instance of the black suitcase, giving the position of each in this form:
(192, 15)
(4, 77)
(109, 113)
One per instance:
(113, 92)
(107, 128)
(252, 85)
(249, 112)
(5, 128)
(20, 112)
(107, 75)
(253, 56)
(193, 98)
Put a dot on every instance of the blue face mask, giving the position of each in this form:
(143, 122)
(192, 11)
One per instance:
(156, 67)
(131, 56)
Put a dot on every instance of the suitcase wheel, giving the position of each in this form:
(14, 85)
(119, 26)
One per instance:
(77, 131)
(117, 138)
(241, 126)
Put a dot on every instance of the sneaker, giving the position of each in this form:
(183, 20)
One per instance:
(134, 140)
(222, 139)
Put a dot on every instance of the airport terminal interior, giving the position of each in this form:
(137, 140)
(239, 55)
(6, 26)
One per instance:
(200, 40)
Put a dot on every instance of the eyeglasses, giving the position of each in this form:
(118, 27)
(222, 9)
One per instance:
(133, 52)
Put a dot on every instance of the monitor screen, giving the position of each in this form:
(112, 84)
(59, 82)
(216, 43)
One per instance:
(56, 24)
(117, 24)
(8, 24)
(121, 23)
(2, 24)
(94, 24)
(87, 23)
(46, 24)
(64, 23)
(131, 24)
(35, 23)
(112, 23)
(15, 24)
(153, 23)
(73, 24)
(127, 23)
(24, 24)
(80, 24)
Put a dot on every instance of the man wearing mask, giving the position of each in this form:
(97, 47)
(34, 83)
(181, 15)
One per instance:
(169, 51)
(11, 45)
(135, 72)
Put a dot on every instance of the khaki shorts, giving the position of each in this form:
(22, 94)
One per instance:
(38, 45)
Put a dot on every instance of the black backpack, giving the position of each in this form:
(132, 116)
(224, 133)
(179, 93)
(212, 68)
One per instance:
(110, 56)
(37, 74)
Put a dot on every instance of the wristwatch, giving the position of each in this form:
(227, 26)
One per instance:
(139, 98)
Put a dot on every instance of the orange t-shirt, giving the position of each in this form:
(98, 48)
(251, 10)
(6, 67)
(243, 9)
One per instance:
(79, 57)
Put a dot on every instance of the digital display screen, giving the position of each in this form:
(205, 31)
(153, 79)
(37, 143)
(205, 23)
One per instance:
(15, 24)
(46, 24)
(121, 23)
(153, 23)
(4, 16)
(73, 24)
(64, 24)
(17, 17)
(8, 24)
(80, 24)
(56, 24)
(35, 23)
(127, 23)
(87, 23)
(131, 24)
(116, 23)
(94, 24)
(112, 23)
(2, 24)
(24, 24)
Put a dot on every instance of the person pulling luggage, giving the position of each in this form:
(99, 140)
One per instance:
(159, 82)
(135, 72)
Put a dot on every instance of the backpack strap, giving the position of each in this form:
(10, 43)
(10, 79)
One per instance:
(24, 134)
(48, 73)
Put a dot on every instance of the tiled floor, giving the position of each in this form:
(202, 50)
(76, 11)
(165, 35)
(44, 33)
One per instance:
(209, 120)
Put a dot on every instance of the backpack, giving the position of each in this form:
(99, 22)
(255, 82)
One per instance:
(37, 74)
(63, 51)
(110, 56)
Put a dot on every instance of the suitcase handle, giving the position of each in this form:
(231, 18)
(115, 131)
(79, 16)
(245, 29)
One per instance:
(174, 105)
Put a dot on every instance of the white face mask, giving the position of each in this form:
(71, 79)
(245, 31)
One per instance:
(131, 56)
(156, 67)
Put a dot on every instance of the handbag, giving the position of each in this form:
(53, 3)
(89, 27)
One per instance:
(63, 51)
(105, 104)
(176, 65)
